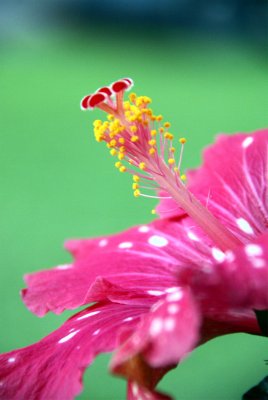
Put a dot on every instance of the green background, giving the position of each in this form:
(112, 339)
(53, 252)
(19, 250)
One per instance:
(58, 183)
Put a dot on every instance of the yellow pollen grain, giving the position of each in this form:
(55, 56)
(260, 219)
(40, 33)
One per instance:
(176, 169)
(133, 128)
(135, 186)
(97, 123)
(167, 125)
(153, 211)
(171, 161)
(132, 97)
(112, 143)
(122, 169)
(110, 117)
(182, 140)
(152, 142)
(151, 151)
(172, 149)
(121, 156)
(161, 130)
(118, 164)
(183, 177)
(121, 140)
(122, 149)
(153, 132)
(136, 178)
(136, 193)
(134, 138)
(168, 136)
(159, 117)
(142, 165)
(113, 152)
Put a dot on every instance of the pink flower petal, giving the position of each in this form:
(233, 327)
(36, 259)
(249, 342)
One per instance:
(145, 258)
(53, 367)
(165, 335)
(233, 183)
(239, 280)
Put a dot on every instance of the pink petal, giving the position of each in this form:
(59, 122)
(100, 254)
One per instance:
(233, 182)
(238, 186)
(53, 367)
(165, 335)
(145, 258)
(137, 392)
(240, 280)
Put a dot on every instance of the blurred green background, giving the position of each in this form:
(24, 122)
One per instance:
(58, 183)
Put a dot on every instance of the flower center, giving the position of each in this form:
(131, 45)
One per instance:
(144, 147)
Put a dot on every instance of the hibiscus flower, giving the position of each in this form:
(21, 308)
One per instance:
(158, 289)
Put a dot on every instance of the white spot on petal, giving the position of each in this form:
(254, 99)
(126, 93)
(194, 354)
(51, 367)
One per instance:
(157, 241)
(230, 256)
(11, 359)
(96, 332)
(156, 326)
(247, 142)
(103, 242)
(173, 308)
(68, 337)
(135, 389)
(125, 245)
(172, 289)
(64, 266)
(128, 319)
(258, 263)
(90, 314)
(192, 236)
(155, 292)
(244, 225)
(144, 229)
(253, 250)
(169, 324)
(218, 254)
(176, 296)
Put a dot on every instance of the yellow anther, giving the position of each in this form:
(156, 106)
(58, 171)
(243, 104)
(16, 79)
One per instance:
(113, 152)
(97, 123)
(152, 142)
(110, 117)
(142, 165)
(153, 132)
(167, 125)
(182, 140)
(112, 143)
(121, 156)
(147, 100)
(133, 128)
(151, 150)
(153, 211)
(121, 140)
(159, 117)
(168, 136)
(171, 161)
(123, 169)
(118, 164)
(183, 177)
(126, 105)
(122, 149)
(176, 169)
(161, 130)
(135, 186)
(134, 138)
(108, 145)
(172, 149)
(136, 178)
(132, 97)
(136, 193)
